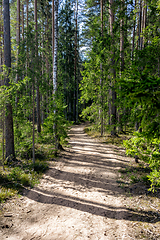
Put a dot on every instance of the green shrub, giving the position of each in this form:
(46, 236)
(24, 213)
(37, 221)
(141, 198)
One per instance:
(147, 149)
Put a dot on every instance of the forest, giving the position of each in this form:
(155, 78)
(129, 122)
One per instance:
(65, 62)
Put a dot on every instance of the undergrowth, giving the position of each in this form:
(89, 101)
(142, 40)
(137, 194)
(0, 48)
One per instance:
(146, 149)
(93, 131)
(22, 174)
(147, 171)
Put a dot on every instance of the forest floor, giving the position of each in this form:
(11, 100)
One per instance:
(81, 196)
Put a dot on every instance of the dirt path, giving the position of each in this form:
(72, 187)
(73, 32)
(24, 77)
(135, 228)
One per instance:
(78, 198)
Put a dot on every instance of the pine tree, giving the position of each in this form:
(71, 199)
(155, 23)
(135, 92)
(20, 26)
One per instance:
(9, 134)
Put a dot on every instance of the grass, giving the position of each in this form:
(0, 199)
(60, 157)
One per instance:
(24, 174)
(106, 138)
(135, 173)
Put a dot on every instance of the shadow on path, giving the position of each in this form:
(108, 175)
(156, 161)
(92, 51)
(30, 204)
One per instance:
(98, 160)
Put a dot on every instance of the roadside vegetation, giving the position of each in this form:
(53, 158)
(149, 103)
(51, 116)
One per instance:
(22, 172)
(139, 193)
(145, 170)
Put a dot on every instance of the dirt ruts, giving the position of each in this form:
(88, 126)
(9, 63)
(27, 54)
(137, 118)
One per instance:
(78, 198)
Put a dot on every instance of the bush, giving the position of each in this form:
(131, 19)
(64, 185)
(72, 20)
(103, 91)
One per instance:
(147, 149)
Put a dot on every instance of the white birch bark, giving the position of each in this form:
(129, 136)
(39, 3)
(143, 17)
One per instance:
(55, 52)
(55, 47)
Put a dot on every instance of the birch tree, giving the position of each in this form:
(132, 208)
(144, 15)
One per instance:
(54, 57)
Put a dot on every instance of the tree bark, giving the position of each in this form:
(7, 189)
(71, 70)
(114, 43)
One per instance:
(37, 81)
(140, 24)
(134, 29)
(101, 78)
(18, 32)
(144, 21)
(55, 52)
(22, 22)
(2, 82)
(120, 126)
(9, 134)
(1, 40)
(47, 59)
(76, 64)
(17, 42)
(33, 123)
(113, 73)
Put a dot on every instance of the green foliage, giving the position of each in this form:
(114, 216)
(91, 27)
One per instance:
(6, 193)
(62, 128)
(17, 177)
(134, 179)
(148, 151)
(154, 178)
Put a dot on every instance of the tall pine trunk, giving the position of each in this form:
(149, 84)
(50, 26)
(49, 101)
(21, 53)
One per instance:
(22, 22)
(113, 109)
(120, 126)
(101, 78)
(134, 29)
(2, 82)
(76, 75)
(75, 63)
(1, 39)
(18, 35)
(9, 134)
(17, 42)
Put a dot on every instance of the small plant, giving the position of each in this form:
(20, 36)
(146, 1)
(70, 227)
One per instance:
(15, 178)
(146, 180)
(6, 193)
(134, 179)
(39, 166)
(154, 178)
(147, 149)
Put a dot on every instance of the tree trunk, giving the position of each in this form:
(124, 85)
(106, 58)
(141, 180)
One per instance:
(47, 60)
(134, 29)
(144, 11)
(2, 82)
(140, 24)
(17, 42)
(37, 81)
(22, 22)
(76, 58)
(43, 97)
(27, 38)
(9, 134)
(75, 64)
(1, 40)
(120, 126)
(18, 33)
(101, 78)
(55, 52)
(33, 123)
(113, 72)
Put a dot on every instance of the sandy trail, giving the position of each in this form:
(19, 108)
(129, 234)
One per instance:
(78, 197)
